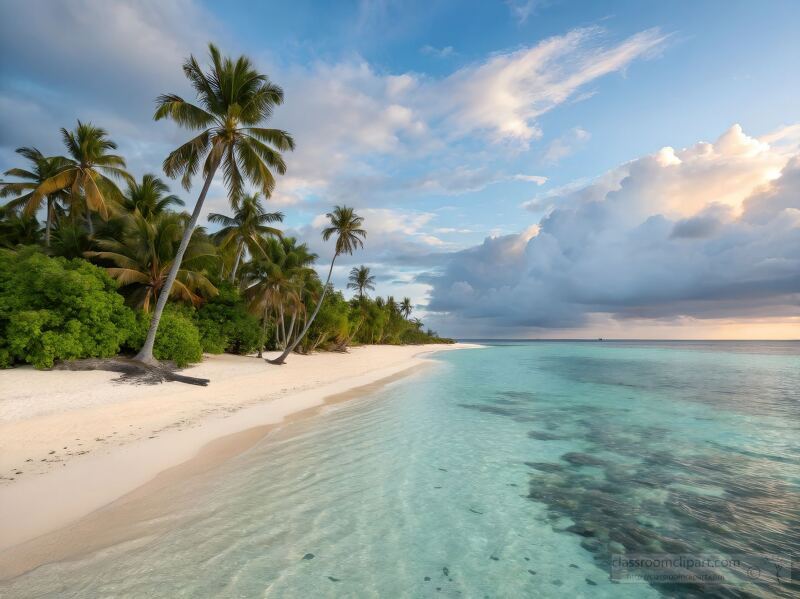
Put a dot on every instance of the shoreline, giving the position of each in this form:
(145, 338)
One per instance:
(36, 508)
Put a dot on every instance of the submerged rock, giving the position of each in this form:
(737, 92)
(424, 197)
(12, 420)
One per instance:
(308, 556)
(544, 436)
(582, 459)
(545, 466)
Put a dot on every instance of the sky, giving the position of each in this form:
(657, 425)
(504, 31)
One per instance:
(526, 169)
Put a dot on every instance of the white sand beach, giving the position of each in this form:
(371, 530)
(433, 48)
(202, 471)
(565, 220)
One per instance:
(72, 442)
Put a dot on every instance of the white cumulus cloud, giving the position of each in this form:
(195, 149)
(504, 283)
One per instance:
(710, 231)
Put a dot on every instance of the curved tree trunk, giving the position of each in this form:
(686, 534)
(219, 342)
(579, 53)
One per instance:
(146, 353)
(264, 322)
(49, 225)
(238, 258)
(290, 348)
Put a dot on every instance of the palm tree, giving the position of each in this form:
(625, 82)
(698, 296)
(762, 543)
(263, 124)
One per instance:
(42, 169)
(234, 99)
(405, 307)
(88, 171)
(151, 197)
(146, 253)
(346, 225)
(275, 279)
(360, 280)
(246, 228)
(18, 229)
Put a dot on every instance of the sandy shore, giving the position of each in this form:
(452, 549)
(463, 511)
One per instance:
(72, 442)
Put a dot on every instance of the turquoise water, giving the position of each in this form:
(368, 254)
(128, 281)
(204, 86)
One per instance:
(511, 471)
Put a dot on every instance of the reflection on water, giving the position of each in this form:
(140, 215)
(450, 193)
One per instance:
(512, 471)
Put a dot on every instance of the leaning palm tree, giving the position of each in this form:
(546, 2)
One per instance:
(234, 99)
(346, 225)
(361, 280)
(150, 198)
(274, 281)
(405, 307)
(88, 172)
(247, 227)
(42, 169)
(146, 253)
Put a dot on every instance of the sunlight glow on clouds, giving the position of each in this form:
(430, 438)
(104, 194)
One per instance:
(706, 232)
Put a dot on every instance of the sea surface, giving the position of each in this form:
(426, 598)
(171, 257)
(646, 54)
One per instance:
(517, 470)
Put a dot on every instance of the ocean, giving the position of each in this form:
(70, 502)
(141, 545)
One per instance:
(517, 470)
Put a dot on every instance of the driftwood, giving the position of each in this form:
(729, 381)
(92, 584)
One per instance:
(132, 371)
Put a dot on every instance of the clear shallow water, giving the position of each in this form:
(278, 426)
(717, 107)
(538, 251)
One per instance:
(504, 472)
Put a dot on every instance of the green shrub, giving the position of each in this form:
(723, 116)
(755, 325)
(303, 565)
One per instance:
(225, 325)
(177, 339)
(57, 309)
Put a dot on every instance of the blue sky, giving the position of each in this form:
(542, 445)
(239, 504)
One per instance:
(465, 132)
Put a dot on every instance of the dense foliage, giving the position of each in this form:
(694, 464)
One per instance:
(178, 338)
(225, 325)
(57, 309)
(85, 268)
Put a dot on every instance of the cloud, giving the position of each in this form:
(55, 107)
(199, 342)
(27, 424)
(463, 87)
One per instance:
(522, 10)
(99, 60)
(356, 126)
(565, 145)
(349, 118)
(710, 231)
(437, 52)
(506, 94)
(404, 238)
(538, 179)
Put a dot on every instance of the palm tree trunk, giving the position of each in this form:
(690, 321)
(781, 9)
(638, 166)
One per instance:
(146, 353)
(264, 323)
(89, 223)
(282, 358)
(282, 335)
(291, 327)
(238, 258)
(49, 222)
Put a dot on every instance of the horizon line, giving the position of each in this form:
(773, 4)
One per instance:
(624, 339)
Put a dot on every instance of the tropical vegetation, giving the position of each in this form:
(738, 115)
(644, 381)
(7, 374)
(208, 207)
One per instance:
(90, 269)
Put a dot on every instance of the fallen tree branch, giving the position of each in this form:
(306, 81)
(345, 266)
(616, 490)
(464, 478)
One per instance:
(132, 371)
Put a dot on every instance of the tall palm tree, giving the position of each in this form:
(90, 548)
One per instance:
(88, 172)
(247, 227)
(151, 197)
(234, 99)
(405, 307)
(361, 280)
(146, 253)
(42, 169)
(346, 225)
